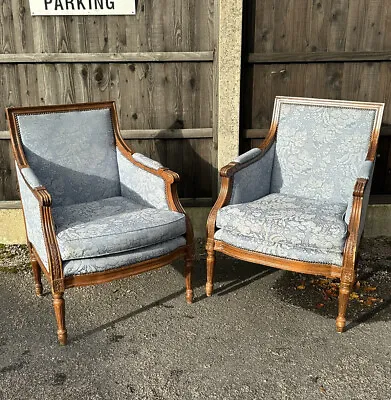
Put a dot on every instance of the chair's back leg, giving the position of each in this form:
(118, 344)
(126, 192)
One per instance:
(210, 263)
(37, 276)
(188, 269)
(59, 310)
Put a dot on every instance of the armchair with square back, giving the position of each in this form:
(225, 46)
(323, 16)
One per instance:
(298, 202)
(94, 210)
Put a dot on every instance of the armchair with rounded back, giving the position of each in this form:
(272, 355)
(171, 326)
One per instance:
(298, 202)
(94, 210)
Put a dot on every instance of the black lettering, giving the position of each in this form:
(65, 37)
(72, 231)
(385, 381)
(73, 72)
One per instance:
(99, 3)
(80, 5)
(110, 5)
(58, 5)
(47, 2)
(69, 4)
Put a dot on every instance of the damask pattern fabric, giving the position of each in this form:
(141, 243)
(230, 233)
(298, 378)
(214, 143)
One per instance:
(281, 249)
(141, 186)
(366, 172)
(253, 181)
(99, 264)
(248, 155)
(32, 214)
(286, 226)
(72, 153)
(320, 150)
(147, 161)
(111, 226)
(30, 177)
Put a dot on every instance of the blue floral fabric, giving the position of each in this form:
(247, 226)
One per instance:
(99, 264)
(253, 181)
(141, 186)
(366, 172)
(72, 153)
(286, 226)
(320, 150)
(147, 161)
(32, 214)
(111, 226)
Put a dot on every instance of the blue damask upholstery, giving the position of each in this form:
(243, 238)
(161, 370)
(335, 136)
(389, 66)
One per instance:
(286, 226)
(72, 153)
(141, 186)
(112, 225)
(320, 150)
(366, 172)
(107, 211)
(253, 181)
(32, 213)
(296, 200)
(97, 264)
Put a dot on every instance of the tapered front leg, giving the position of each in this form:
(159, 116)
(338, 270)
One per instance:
(343, 300)
(59, 310)
(210, 263)
(37, 276)
(189, 258)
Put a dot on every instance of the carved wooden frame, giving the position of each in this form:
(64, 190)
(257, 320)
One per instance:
(55, 275)
(346, 273)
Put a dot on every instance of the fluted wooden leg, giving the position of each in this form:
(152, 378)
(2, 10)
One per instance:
(343, 299)
(188, 268)
(210, 263)
(37, 277)
(59, 310)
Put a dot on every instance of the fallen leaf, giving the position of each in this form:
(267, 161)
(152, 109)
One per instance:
(370, 289)
(301, 287)
(354, 295)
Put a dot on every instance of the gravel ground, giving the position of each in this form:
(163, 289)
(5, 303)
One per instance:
(265, 334)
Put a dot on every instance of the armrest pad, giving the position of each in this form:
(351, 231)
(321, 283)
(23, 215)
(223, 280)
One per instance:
(249, 155)
(366, 169)
(252, 181)
(365, 172)
(141, 185)
(147, 161)
(30, 177)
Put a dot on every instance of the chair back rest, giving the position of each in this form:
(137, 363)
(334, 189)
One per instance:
(71, 149)
(321, 146)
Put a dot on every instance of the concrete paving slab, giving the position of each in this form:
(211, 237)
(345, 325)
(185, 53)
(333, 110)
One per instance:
(258, 337)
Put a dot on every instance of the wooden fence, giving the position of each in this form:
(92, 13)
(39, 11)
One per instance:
(338, 49)
(157, 66)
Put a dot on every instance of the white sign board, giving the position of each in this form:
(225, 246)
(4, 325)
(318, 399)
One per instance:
(83, 7)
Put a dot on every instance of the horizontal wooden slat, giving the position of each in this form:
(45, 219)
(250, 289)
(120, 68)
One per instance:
(196, 133)
(261, 133)
(329, 56)
(43, 58)
(255, 133)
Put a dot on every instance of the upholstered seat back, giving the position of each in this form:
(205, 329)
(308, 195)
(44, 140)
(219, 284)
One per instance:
(320, 150)
(72, 153)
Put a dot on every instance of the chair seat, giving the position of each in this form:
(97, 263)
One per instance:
(100, 264)
(112, 226)
(286, 226)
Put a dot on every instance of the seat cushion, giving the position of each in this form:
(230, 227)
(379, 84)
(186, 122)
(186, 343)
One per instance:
(99, 264)
(286, 226)
(112, 226)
